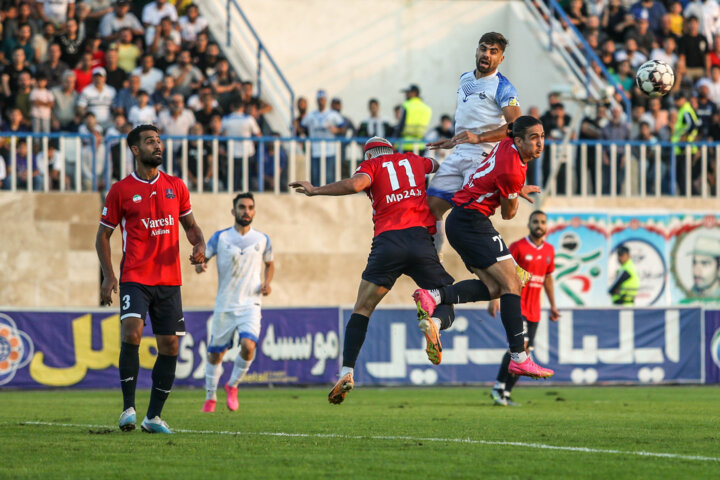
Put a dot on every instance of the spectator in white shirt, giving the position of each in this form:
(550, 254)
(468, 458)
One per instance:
(240, 124)
(323, 123)
(41, 101)
(98, 98)
(192, 24)
(668, 52)
(149, 75)
(142, 113)
(56, 11)
(120, 18)
(152, 15)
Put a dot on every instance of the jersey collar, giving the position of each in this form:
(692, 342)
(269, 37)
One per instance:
(532, 244)
(150, 182)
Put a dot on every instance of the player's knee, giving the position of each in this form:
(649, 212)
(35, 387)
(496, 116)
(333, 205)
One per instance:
(247, 349)
(214, 358)
(167, 345)
(512, 286)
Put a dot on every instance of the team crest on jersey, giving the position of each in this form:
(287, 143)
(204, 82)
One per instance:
(137, 198)
(169, 193)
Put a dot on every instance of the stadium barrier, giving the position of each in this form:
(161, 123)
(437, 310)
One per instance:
(79, 349)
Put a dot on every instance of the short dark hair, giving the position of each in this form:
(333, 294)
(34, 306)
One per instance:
(536, 212)
(373, 100)
(240, 196)
(623, 250)
(495, 38)
(133, 138)
(520, 126)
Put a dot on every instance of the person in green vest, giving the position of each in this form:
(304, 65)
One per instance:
(414, 120)
(685, 130)
(625, 288)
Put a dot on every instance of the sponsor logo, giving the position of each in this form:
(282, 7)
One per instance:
(396, 197)
(158, 222)
(169, 193)
(104, 211)
(137, 198)
(528, 257)
(16, 349)
(513, 102)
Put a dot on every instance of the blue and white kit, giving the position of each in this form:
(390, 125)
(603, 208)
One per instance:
(241, 261)
(479, 108)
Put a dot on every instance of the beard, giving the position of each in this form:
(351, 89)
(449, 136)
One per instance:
(243, 221)
(152, 161)
(537, 233)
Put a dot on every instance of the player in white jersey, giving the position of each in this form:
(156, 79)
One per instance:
(486, 102)
(245, 270)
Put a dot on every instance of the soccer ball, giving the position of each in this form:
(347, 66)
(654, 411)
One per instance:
(655, 78)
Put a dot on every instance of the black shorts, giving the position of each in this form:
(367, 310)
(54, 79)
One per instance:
(530, 331)
(411, 252)
(162, 302)
(475, 239)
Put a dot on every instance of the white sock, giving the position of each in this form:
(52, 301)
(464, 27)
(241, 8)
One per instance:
(437, 322)
(435, 294)
(518, 357)
(212, 376)
(499, 386)
(506, 394)
(239, 370)
(346, 370)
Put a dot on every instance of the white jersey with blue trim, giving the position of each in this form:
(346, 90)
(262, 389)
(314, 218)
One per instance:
(479, 107)
(240, 263)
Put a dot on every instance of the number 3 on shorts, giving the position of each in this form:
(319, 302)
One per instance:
(497, 238)
(126, 302)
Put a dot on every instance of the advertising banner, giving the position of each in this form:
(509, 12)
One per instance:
(712, 346)
(584, 347)
(81, 349)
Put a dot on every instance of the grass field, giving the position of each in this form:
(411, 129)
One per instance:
(392, 433)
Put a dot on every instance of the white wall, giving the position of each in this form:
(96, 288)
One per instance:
(358, 49)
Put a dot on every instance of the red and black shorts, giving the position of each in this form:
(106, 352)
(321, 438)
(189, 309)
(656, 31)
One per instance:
(162, 302)
(475, 239)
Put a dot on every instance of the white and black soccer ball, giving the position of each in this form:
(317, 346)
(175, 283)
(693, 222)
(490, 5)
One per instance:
(655, 78)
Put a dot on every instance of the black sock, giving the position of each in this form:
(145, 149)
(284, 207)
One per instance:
(129, 365)
(511, 315)
(503, 375)
(464, 292)
(355, 331)
(446, 314)
(163, 376)
(511, 381)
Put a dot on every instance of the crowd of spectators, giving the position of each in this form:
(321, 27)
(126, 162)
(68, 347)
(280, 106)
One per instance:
(625, 34)
(99, 67)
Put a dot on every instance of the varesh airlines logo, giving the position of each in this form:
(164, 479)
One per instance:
(156, 224)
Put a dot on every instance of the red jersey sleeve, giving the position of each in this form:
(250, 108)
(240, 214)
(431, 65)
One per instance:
(112, 210)
(551, 265)
(429, 165)
(368, 168)
(514, 250)
(184, 197)
(510, 184)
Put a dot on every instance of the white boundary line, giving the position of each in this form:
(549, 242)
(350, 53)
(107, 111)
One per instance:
(414, 439)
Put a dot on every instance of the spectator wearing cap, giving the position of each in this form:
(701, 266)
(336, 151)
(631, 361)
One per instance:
(142, 113)
(116, 76)
(150, 76)
(705, 108)
(71, 43)
(375, 125)
(98, 98)
(152, 15)
(56, 11)
(41, 100)
(128, 96)
(693, 48)
(120, 18)
(192, 24)
(641, 33)
(655, 11)
(415, 118)
(322, 123)
(53, 68)
(83, 72)
(187, 76)
(65, 102)
(128, 51)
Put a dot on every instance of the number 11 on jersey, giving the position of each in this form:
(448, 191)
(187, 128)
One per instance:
(394, 183)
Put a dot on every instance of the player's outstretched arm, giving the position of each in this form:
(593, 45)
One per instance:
(549, 285)
(266, 289)
(348, 186)
(102, 246)
(195, 237)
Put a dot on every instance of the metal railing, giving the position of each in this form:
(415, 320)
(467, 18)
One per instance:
(575, 51)
(64, 161)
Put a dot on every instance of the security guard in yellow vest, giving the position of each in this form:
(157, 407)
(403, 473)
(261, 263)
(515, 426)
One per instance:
(625, 288)
(685, 130)
(415, 119)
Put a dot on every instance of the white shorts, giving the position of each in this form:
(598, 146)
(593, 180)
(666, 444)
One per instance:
(453, 173)
(224, 324)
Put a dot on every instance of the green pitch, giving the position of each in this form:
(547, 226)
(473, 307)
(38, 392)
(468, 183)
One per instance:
(393, 433)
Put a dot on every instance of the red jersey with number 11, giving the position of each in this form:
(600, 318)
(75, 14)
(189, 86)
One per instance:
(538, 261)
(397, 191)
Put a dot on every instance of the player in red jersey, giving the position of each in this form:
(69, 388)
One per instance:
(537, 257)
(498, 182)
(148, 205)
(395, 183)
